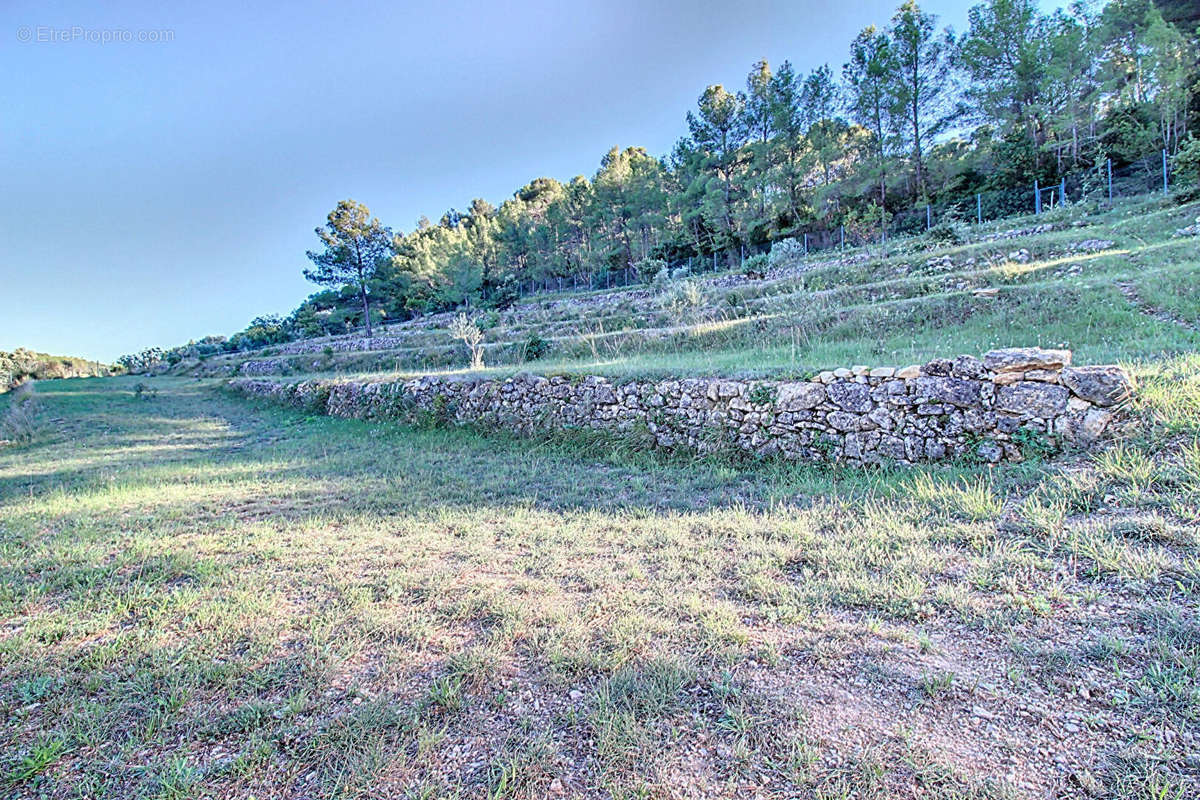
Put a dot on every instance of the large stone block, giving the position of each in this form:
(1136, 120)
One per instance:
(954, 391)
(1019, 359)
(799, 396)
(1031, 399)
(854, 397)
(1104, 386)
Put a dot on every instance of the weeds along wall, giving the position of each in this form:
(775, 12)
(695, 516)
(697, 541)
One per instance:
(1005, 406)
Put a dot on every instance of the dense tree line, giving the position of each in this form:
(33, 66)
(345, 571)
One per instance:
(916, 114)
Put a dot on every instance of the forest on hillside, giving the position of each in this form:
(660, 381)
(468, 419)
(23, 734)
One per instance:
(917, 114)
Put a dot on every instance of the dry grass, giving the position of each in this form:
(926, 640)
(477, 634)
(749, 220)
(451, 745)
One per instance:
(19, 423)
(202, 598)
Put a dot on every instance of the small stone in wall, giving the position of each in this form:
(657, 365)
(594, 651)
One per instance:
(990, 452)
(843, 421)
(939, 366)
(968, 367)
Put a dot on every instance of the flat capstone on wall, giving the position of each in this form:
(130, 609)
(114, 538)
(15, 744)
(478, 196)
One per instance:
(992, 409)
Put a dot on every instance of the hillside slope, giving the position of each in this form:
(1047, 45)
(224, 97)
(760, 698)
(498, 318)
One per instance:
(1110, 284)
(22, 364)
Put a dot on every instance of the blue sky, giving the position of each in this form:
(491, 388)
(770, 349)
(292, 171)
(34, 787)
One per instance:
(156, 192)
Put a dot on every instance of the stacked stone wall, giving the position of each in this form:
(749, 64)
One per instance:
(993, 409)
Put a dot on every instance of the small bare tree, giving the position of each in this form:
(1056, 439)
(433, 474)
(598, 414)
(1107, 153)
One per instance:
(465, 329)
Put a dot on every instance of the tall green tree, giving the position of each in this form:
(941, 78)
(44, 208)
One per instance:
(789, 143)
(718, 131)
(1072, 88)
(760, 125)
(867, 76)
(921, 90)
(1005, 55)
(820, 101)
(629, 202)
(356, 244)
(1147, 68)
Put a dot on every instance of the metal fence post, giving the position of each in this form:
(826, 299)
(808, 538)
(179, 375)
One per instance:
(1037, 198)
(806, 244)
(1164, 171)
(928, 217)
(1062, 191)
(1110, 180)
(979, 209)
(842, 244)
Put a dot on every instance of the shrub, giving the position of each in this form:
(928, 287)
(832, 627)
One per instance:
(648, 269)
(505, 295)
(784, 252)
(944, 233)
(536, 347)
(144, 391)
(755, 264)
(761, 395)
(1035, 444)
(19, 423)
(682, 297)
(1186, 163)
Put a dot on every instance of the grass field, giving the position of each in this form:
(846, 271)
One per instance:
(200, 597)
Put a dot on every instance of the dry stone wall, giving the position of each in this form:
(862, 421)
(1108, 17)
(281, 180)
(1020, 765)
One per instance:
(993, 409)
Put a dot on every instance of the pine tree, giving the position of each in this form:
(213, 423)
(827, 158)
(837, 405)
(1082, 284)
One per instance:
(356, 244)
(921, 90)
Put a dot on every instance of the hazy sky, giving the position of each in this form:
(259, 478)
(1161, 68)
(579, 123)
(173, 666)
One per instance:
(157, 191)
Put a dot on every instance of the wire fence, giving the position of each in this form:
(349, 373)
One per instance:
(1102, 183)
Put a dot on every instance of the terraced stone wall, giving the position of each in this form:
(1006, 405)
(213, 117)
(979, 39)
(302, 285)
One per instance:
(995, 408)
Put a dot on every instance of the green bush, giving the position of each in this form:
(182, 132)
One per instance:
(535, 347)
(1186, 163)
(944, 234)
(649, 268)
(755, 264)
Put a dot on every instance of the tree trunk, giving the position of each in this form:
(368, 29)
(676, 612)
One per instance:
(920, 167)
(362, 290)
